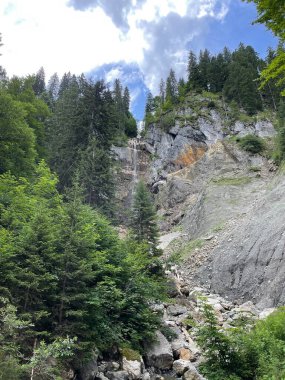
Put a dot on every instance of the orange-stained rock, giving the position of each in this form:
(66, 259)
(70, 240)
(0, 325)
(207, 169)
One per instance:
(190, 155)
(186, 354)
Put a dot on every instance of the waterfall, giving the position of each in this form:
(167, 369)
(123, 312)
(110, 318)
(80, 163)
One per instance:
(135, 162)
(133, 146)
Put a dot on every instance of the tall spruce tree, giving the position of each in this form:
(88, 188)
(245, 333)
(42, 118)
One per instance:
(171, 91)
(96, 177)
(144, 218)
(193, 72)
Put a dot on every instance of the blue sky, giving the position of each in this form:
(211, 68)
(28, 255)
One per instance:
(135, 40)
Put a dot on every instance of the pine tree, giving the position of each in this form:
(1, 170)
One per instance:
(65, 82)
(193, 72)
(204, 69)
(171, 91)
(52, 90)
(144, 218)
(181, 89)
(96, 177)
(126, 100)
(162, 92)
(119, 104)
(39, 82)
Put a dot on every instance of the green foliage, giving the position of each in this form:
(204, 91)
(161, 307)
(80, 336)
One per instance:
(47, 361)
(17, 143)
(96, 177)
(247, 354)
(216, 347)
(67, 272)
(186, 249)
(143, 219)
(87, 119)
(251, 143)
(10, 338)
(279, 154)
(130, 354)
(171, 89)
(167, 121)
(240, 84)
(231, 181)
(272, 15)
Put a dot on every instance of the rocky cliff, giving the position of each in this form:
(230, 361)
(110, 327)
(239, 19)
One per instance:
(226, 205)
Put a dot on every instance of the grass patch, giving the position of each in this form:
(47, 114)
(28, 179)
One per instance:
(130, 354)
(232, 181)
(244, 118)
(219, 227)
(185, 250)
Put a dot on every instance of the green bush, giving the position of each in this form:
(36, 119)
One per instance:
(253, 353)
(251, 143)
(167, 121)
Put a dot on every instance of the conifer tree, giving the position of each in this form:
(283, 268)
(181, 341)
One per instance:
(193, 71)
(39, 82)
(162, 92)
(149, 109)
(181, 89)
(52, 90)
(126, 100)
(171, 91)
(95, 172)
(144, 218)
(204, 69)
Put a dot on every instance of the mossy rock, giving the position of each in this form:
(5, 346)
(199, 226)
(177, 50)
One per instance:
(130, 354)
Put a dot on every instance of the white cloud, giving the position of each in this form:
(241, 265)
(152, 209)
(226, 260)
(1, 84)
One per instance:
(61, 38)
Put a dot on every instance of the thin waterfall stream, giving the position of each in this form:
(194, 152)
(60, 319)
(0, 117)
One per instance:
(134, 152)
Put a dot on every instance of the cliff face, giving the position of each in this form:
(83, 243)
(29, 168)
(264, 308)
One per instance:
(200, 178)
(132, 162)
(206, 184)
(207, 188)
(249, 263)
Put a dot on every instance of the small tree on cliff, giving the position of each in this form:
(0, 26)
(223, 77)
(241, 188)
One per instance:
(143, 219)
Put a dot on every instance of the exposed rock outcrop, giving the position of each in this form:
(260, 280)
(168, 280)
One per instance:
(251, 258)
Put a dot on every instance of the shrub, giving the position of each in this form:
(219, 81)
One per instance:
(246, 354)
(167, 121)
(251, 143)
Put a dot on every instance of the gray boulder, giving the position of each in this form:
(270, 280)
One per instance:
(176, 310)
(90, 369)
(101, 376)
(192, 374)
(181, 366)
(118, 375)
(133, 367)
(159, 355)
